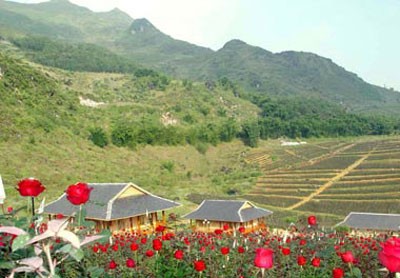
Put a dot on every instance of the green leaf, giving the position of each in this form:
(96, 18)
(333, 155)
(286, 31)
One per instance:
(6, 265)
(20, 241)
(356, 272)
(66, 248)
(95, 271)
(77, 254)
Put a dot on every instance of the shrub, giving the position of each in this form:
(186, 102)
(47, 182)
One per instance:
(98, 137)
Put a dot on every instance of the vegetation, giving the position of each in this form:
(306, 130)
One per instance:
(237, 63)
(75, 57)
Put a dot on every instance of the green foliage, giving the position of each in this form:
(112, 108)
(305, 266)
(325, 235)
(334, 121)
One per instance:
(77, 57)
(310, 117)
(98, 136)
(251, 133)
(168, 165)
(122, 135)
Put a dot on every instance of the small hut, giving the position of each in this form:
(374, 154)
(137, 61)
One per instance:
(118, 206)
(371, 221)
(215, 214)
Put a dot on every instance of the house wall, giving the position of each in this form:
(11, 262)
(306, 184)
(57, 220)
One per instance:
(211, 226)
(140, 223)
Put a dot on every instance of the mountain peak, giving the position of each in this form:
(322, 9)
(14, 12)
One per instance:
(142, 25)
(234, 43)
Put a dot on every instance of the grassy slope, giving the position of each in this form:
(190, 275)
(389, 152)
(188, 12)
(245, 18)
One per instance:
(44, 132)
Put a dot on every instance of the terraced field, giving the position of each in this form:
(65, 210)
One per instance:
(331, 177)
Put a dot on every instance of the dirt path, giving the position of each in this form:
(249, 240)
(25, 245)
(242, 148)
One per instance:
(330, 182)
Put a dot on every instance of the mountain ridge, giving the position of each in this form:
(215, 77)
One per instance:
(287, 73)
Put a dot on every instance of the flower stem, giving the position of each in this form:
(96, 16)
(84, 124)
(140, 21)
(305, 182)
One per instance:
(33, 206)
(80, 217)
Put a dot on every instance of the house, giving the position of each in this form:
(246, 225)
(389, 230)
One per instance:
(118, 206)
(371, 221)
(214, 214)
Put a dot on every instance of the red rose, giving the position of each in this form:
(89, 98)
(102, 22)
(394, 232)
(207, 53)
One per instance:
(160, 228)
(157, 244)
(130, 263)
(224, 250)
(347, 257)
(143, 240)
(301, 260)
(241, 249)
(59, 216)
(302, 242)
(78, 193)
(218, 231)
(30, 187)
(312, 220)
(225, 227)
(263, 258)
(95, 248)
(337, 273)
(242, 229)
(285, 251)
(115, 247)
(389, 256)
(112, 264)
(10, 209)
(199, 265)
(134, 246)
(316, 262)
(178, 254)
(149, 253)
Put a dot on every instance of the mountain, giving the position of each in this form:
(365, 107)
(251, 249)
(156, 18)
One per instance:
(257, 70)
(294, 73)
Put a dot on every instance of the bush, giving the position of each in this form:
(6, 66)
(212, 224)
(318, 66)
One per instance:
(98, 137)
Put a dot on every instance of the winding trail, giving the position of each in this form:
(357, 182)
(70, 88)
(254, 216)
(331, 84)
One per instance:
(334, 179)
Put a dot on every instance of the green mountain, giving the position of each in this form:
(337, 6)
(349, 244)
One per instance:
(295, 73)
(256, 70)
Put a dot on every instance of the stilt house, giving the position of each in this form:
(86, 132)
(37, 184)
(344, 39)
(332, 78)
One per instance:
(215, 214)
(118, 206)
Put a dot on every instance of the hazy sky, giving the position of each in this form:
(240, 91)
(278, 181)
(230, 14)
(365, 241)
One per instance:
(361, 35)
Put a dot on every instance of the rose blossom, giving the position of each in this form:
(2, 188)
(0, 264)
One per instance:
(389, 256)
(178, 255)
(263, 258)
(312, 220)
(347, 257)
(199, 265)
(78, 193)
(157, 244)
(337, 273)
(30, 187)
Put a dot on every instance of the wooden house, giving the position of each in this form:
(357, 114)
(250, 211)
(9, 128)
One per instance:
(362, 221)
(118, 206)
(215, 214)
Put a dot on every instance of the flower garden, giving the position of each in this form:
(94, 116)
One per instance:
(32, 247)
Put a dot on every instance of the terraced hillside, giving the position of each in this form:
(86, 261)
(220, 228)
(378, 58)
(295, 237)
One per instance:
(331, 177)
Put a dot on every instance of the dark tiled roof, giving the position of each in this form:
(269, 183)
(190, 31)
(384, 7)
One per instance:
(227, 210)
(372, 221)
(101, 205)
(131, 206)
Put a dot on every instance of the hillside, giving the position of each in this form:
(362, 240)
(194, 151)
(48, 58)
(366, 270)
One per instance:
(295, 73)
(253, 68)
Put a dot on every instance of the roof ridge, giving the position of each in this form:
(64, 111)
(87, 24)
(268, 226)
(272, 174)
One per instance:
(374, 213)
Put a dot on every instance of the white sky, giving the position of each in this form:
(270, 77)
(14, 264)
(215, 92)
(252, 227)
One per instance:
(360, 35)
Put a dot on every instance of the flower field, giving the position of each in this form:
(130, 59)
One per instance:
(72, 246)
(223, 254)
